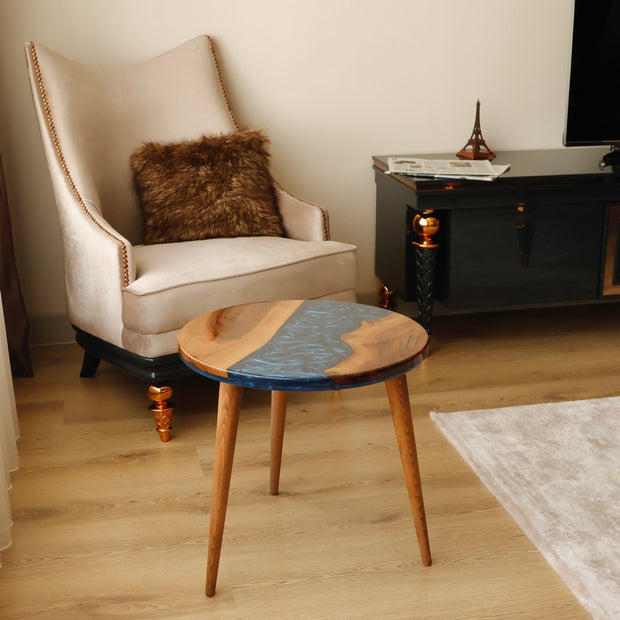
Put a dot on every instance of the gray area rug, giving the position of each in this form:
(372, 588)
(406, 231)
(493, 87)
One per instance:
(556, 469)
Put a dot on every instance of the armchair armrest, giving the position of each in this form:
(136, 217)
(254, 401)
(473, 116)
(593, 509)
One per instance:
(123, 260)
(98, 263)
(302, 220)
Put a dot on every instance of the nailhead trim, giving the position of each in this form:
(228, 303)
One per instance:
(61, 158)
(324, 223)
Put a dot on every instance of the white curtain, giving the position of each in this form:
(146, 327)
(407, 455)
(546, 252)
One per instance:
(9, 432)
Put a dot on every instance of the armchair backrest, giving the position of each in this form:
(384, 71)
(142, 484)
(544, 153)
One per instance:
(93, 118)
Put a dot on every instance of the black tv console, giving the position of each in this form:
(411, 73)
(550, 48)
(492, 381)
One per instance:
(545, 232)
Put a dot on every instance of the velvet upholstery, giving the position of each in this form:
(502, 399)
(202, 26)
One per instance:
(134, 296)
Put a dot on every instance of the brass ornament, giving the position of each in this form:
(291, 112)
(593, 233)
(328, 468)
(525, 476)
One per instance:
(425, 225)
(386, 297)
(476, 147)
(161, 409)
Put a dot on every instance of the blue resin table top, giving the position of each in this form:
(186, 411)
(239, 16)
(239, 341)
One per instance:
(302, 345)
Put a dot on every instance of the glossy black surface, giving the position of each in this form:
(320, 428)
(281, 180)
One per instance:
(593, 90)
(556, 166)
(165, 368)
(534, 235)
(485, 267)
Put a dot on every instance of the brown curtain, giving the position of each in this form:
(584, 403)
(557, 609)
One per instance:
(12, 301)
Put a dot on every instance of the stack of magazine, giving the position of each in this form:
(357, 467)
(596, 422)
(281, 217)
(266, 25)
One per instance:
(474, 170)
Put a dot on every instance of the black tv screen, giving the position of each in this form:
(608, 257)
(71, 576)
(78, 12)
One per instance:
(593, 110)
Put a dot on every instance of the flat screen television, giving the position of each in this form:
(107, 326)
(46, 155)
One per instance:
(593, 109)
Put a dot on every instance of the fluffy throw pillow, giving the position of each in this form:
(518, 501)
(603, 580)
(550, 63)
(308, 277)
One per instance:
(216, 186)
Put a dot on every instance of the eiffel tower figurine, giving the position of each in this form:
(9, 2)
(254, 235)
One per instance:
(476, 147)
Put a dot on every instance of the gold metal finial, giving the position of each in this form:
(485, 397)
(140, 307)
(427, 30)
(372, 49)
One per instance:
(425, 225)
(161, 408)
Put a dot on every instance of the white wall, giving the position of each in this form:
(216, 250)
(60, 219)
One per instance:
(333, 82)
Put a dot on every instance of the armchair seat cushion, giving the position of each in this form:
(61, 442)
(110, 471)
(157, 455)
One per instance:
(175, 282)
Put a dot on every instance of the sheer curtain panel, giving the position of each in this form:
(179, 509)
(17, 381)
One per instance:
(9, 432)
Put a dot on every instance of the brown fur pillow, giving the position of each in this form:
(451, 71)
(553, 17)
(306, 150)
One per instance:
(217, 186)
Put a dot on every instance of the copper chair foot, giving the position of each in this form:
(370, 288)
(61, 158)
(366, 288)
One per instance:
(161, 408)
(386, 297)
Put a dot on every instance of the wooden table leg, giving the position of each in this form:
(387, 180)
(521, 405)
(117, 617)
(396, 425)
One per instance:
(278, 418)
(228, 407)
(398, 395)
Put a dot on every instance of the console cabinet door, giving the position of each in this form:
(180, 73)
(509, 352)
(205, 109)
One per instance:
(611, 256)
(522, 255)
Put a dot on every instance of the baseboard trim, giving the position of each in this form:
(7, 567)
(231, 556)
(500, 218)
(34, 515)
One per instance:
(56, 328)
(369, 298)
(50, 329)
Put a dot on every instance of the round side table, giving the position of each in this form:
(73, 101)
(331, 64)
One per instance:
(297, 345)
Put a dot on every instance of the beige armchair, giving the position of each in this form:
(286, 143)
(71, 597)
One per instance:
(128, 300)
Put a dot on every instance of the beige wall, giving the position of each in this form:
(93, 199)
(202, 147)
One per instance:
(332, 82)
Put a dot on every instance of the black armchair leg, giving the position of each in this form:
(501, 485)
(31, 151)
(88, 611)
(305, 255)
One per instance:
(89, 365)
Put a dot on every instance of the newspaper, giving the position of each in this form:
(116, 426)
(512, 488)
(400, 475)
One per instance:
(472, 169)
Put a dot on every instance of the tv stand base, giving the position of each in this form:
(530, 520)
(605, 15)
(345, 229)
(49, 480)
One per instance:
(545, 232)
(611, 159)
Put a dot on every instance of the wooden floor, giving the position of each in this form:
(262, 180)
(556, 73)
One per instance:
(111, 523)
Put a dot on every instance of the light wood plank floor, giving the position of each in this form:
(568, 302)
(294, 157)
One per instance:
(111, 523)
